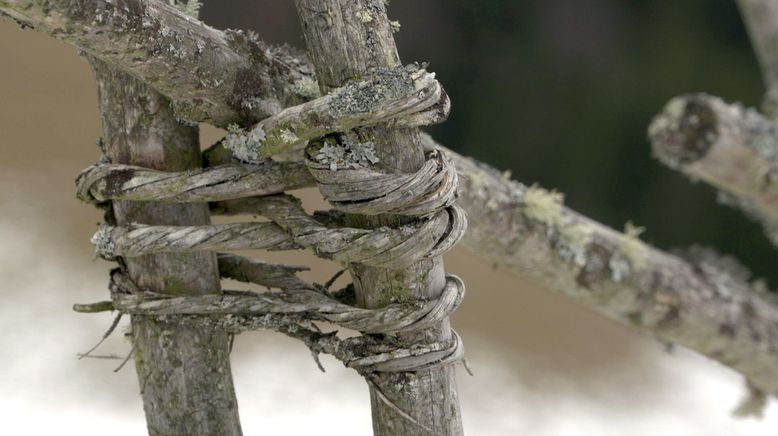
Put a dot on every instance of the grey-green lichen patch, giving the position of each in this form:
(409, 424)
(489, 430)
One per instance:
(288, 136)
(364, 16)
(573, 240)
(103, 242)
(629, 255)
(244, 144)
(543, 206)
(188, 112)
(346, 153)
(395, 26)
(721, 271)
(385, 84)
(262, 105)
(306, 88)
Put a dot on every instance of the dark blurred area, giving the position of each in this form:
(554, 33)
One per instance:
(561, 93)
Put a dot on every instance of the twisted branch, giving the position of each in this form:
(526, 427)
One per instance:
(292, 311)
(403, 97)
(104, 182)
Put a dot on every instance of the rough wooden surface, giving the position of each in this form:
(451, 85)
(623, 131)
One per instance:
(271, 275)
(291, 228)
(404, 96)
(346, 39)
(136, 240)
(307, 303)
(701, 301)
(215, 76)
(732, 148)
(492, 202)
(184, 373)
(126, 182)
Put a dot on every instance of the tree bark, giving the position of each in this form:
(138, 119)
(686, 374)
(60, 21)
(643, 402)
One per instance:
(184, 373)
(345, 40)
(732, 148)
(494, 203)
(225, 76)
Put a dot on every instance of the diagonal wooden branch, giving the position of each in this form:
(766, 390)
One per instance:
(209, 75)
(495, 209)
(730, 147)
(699, 303)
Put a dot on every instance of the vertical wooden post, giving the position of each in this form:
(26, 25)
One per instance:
(345, 39)
(184, 373)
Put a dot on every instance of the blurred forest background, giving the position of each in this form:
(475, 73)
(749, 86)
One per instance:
(561, 93)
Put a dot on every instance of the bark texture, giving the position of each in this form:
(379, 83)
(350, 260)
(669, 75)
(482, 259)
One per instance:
(494, 203)
(103, 182)
(347, 39)
(184, 373)
(221, 77)
(701, 301)
(373, 100)
(726, 145)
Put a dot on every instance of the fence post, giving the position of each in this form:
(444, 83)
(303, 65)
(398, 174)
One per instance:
(184, 373)
(345, 39)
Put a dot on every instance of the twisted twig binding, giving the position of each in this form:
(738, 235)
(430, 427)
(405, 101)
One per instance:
(406, 95)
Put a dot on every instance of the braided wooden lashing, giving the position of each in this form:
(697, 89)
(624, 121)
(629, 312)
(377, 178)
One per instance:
(351, 185)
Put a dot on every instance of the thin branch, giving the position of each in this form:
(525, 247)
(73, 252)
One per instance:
(701, 303)
(104, 182)
(100, 356)
(220, 77)
(126, 359)
(100, 306)
(303, 304)
(249, 270)
(113, 326)
(728, 146)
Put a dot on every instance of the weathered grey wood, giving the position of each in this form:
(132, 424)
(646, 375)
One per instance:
(271, 275)
(345, 39)
(135, 240)
(291, 228)
(127, 182)
(406, 96)
(221, 77)
(291, 313)
(732, 148)
(184, 373)
(306, 303)
(703, 302)
(491, 201)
